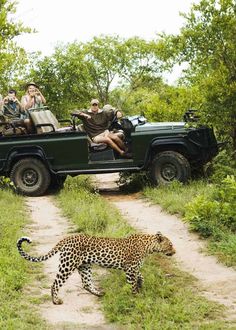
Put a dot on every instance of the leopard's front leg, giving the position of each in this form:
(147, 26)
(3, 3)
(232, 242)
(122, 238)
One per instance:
(86, 277)
(139, 280)
(132, 278)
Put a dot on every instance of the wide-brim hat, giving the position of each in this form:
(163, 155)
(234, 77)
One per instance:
(31, 84)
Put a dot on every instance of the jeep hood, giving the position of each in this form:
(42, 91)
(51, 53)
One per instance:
(160, 126)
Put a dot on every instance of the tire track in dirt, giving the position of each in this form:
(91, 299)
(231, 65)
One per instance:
(80, 309)
(216, 281)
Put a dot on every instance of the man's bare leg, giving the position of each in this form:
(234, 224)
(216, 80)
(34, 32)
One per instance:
(112, 144)
(115, 138)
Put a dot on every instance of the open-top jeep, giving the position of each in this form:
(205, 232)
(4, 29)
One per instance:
(42, 159)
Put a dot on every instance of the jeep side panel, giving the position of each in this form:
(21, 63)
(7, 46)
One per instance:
(63, 151)
(142, 143)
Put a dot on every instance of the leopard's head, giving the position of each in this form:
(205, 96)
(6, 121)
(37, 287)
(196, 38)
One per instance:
(163, 244)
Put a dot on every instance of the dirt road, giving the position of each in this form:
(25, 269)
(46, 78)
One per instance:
(81, 310)
(216, 281)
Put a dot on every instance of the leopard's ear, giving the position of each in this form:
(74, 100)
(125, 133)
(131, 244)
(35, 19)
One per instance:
(159, 236)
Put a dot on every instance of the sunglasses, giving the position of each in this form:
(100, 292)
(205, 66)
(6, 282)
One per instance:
(94, 104)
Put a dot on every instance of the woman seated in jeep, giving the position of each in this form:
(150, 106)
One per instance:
(33, 98)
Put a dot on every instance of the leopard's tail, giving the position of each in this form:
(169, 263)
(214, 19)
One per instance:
(34, 259)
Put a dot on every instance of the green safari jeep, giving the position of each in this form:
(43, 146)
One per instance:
(40, 160)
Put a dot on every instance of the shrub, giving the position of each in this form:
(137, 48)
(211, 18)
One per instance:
(224, 164)
(215, 213)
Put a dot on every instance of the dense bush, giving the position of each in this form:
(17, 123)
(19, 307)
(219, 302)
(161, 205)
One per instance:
(224, 164)
(215, 213)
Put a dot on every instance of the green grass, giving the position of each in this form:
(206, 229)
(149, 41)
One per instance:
(90, 213)
(169, 298)
(15, 273)
(174, 198)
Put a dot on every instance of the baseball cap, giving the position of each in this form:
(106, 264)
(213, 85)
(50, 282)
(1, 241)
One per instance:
(94, 101)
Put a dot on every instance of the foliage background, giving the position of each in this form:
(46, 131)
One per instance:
(129, 73)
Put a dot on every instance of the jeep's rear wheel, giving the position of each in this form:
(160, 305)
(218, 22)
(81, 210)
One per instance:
(168, 166)
(30, 176)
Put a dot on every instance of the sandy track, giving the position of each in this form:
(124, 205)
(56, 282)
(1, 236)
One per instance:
(216, 281)
(80, 310)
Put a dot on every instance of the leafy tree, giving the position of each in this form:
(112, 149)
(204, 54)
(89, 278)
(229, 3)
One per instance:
(12, 57)
(208, 43)
(159, 102)
(77, 72)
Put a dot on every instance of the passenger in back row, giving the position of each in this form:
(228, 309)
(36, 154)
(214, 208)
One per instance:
(12, 111)
(33, 98)
(11, 106)
(96, 122)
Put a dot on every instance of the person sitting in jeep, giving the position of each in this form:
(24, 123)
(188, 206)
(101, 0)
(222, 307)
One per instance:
(11, 106)
(33, 98)
(96, 122)
(12, 111)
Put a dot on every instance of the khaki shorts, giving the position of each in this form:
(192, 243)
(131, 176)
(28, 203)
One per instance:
(99, 138)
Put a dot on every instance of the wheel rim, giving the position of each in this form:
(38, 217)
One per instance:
(30, 177)
(169, 172)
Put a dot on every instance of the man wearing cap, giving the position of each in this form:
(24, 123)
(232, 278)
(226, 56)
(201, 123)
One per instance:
(33, 98)
(96, 122)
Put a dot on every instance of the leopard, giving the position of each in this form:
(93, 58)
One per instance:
(80, 251)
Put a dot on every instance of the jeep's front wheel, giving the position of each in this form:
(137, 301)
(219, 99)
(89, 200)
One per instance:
(30, 177)
(168, 166)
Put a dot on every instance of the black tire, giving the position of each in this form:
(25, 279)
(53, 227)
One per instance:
(168, 166)
(30, 177)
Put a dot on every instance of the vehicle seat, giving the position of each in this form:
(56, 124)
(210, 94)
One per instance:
(45, 121)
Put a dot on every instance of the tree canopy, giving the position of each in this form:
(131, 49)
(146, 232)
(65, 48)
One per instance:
(207, 42)
(12, 57)
(128, 72)
(77, 71)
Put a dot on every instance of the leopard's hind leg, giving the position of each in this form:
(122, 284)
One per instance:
(86, 277)
(66, 268)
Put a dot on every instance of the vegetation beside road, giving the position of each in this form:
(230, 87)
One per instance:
(209, 208)
(15, 274)
(169, 298)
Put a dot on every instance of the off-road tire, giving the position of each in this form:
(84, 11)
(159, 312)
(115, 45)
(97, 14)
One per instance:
(168, 166)
(30, 177)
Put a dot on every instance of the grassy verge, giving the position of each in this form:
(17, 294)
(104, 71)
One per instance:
(174, 198)
(15, 274)
(169, 298)
(210, 210)
(88, 211)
